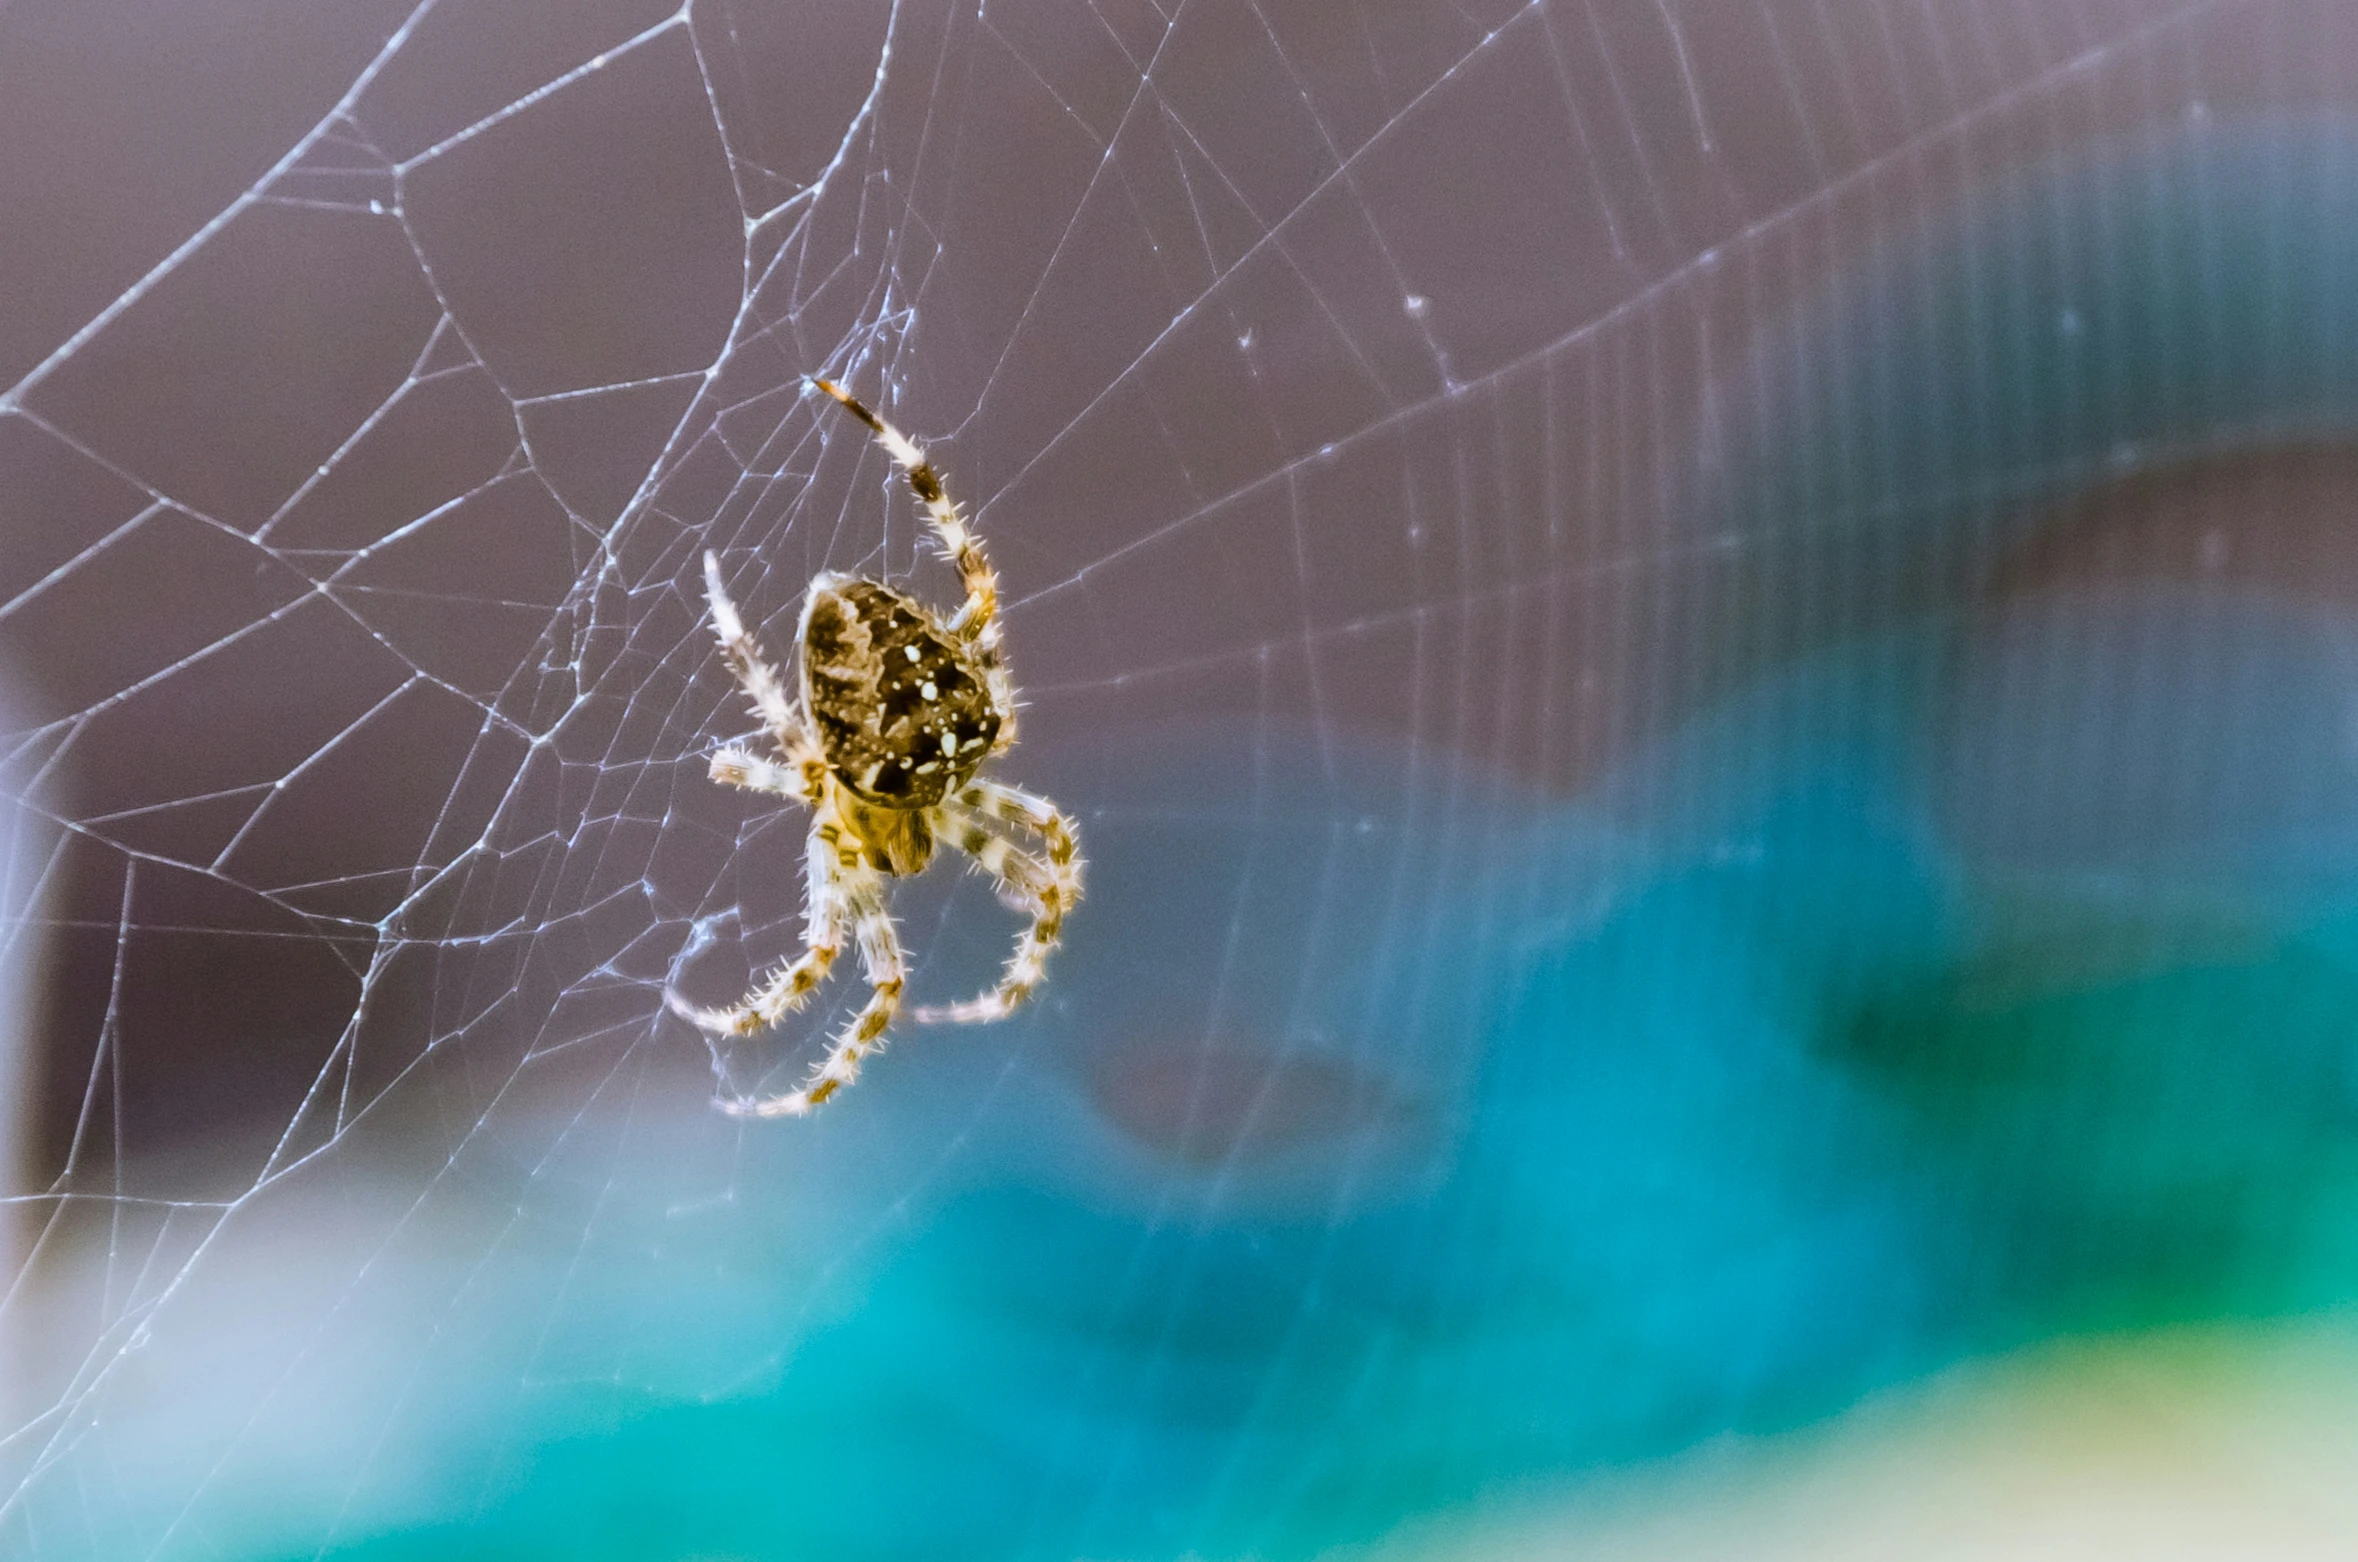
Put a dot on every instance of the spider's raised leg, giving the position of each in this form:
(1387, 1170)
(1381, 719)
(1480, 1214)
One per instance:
(1045, 888)
(977, 621)
(784, 990)
(862, 891)
(785, 721)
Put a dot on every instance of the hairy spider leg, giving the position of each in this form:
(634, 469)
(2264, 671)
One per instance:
(738, 766)
(1046, 889)
(862, 889)
(824, 914)
(997, 800)
(787, 725)
(977, 621)
(785, 989)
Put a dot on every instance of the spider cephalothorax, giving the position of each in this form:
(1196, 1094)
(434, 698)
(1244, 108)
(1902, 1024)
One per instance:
(899, 710)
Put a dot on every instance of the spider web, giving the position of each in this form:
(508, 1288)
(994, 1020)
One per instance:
(1410, 437)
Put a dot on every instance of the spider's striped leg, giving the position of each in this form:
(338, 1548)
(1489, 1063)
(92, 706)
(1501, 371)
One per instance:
(1047, 889)
(862, 889)
(977, 622)
(762, 685)
(997, 800)
(739, 766)
(824, 914)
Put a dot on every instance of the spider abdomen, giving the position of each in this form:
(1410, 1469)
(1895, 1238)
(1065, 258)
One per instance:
(903, 713)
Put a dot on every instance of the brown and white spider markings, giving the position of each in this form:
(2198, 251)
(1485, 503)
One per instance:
(898, 709)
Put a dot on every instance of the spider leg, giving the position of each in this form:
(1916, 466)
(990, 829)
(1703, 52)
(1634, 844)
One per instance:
(977, 621)
(762, 685)
(862, 889)
(997, 800)
(741, 767)
(784, 990)
(1047, 888)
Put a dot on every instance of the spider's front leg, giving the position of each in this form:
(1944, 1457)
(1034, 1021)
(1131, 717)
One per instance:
(804, 774)
(739, 766)
(977, 619)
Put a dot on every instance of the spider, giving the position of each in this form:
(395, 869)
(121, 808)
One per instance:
(899, 709)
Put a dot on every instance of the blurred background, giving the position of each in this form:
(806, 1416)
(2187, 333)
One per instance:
(1707, 655)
